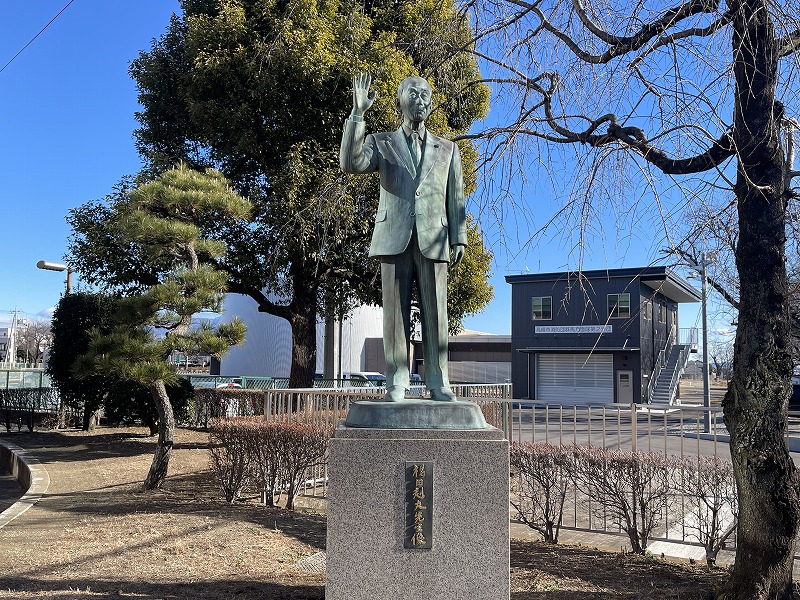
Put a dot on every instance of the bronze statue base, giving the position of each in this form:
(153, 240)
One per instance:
(415, 414)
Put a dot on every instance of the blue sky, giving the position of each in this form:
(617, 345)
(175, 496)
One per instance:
(67, 116)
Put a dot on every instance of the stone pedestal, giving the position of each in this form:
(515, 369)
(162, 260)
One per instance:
(369, 500)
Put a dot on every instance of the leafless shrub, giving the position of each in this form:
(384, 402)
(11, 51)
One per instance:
(274, 455)
(493, 413)
(710, 488)
(230, 455)
(212, 403)
(540, 484)
(301, 446)
(633, 487)
(266, 459)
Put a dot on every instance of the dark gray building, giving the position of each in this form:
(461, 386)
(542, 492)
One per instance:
(600, 336)
(473, 357)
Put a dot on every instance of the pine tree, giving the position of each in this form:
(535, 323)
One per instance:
(163, 219)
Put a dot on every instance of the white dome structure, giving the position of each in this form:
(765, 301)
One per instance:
(267, 350)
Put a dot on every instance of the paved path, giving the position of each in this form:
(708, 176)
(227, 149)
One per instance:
(10, 491)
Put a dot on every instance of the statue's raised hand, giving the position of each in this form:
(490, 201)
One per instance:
(362, 97)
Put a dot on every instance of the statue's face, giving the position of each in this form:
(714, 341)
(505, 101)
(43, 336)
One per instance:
(414, 99)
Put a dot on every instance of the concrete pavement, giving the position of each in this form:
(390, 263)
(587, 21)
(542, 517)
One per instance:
(10, 490)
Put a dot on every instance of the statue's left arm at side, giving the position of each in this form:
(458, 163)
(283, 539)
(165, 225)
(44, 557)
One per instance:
(456, 214)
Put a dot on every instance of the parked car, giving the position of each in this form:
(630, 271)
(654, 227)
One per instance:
(211, 382)
(794, 399)
(229, 384)
(367, 378)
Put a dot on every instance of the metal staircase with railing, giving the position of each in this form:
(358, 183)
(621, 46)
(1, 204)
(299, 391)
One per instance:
(671, 362)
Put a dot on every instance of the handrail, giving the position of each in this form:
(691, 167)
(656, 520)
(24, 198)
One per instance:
(676, 375)
(688, 335)
(660, 362)
(654, 375)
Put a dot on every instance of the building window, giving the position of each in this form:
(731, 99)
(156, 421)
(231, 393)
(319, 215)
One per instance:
(647, 310)
(662, 313)
(619, 306)
(542, 308)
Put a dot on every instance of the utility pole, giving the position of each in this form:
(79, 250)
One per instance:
(11, 352)
(700, 269)
(706, 383)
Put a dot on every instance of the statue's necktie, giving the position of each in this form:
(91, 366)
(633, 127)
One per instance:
(416, 148)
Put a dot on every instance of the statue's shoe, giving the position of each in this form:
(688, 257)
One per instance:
(443, 394)
(395, 393)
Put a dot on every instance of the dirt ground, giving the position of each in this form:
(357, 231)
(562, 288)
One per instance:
(97, 535)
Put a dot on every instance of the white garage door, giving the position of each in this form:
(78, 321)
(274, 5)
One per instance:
(575, 377)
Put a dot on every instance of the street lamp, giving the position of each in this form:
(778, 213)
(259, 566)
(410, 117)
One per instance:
(53, 266)
(705, 259)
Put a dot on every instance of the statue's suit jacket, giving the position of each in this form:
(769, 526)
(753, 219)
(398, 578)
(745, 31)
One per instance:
(431, 197)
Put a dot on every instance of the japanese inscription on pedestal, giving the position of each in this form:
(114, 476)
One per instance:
(419, 505)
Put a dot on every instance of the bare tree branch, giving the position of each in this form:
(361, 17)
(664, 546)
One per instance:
(633, 138)
(691, 259)
(789, 44)
(620, 45)
(686, 33)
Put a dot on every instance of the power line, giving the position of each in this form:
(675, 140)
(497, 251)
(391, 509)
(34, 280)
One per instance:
(15, 310)
(33, 39)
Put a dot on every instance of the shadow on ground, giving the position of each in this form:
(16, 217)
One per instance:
(193, 494)
(80, 589)
(577, 573)
(57, 446)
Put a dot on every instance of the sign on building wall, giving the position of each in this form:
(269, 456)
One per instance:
(573, 329)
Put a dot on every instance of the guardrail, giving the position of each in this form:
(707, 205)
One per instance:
(683, 359)
(661, 361)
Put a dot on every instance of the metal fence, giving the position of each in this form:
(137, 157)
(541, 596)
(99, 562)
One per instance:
(218, 381)
(28, 407)
(27, 398)
(267, 383)
(671, 430)
(326, 407)
(15, 378)
(682, 431)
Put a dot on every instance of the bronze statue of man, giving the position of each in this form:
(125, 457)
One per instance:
(420, 218)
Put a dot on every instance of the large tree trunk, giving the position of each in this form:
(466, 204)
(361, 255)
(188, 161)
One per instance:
(166, 431)
(303, 319)
(88, 418)
(756, 402)
(90, 411)
(304, 346)
(62, 414)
